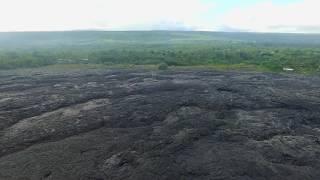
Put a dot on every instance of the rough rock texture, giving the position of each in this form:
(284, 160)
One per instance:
(137, 124)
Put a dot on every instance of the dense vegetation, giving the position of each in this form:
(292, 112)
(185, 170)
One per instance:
(262, 51)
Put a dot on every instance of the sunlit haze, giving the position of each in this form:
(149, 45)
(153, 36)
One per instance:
(210, 15)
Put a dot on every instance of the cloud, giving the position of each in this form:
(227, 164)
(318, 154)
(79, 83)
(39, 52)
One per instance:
(100, 14)
(163, 25)
(264, 16)
(267, 16)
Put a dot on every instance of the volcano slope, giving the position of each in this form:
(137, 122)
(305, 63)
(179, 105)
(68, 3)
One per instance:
(135, 124)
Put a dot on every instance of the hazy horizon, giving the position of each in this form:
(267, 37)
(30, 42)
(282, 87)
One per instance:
(155, 30)
(264, 16)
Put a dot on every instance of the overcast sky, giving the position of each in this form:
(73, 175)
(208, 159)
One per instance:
(212, 15)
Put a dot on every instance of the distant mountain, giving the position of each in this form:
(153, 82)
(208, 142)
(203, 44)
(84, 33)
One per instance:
(97, 37)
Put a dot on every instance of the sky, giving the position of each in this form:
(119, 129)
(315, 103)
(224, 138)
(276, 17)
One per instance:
(294, 16)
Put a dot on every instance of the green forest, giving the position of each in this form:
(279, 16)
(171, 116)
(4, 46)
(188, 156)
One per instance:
(270, 52)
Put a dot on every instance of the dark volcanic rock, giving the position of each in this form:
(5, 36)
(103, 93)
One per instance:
(136, 124)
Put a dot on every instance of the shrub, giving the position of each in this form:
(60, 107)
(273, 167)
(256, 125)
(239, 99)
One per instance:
(163, 66)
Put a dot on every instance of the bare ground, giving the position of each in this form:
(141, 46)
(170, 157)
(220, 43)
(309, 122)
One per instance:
(135, 124)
